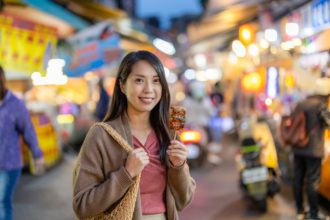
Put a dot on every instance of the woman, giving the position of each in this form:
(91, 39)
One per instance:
(139, 113)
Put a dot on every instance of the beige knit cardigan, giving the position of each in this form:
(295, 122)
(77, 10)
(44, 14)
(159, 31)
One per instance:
(100, 179)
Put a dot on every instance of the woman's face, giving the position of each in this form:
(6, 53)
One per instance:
(142, 88)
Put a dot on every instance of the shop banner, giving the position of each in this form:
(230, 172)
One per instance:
(321, 14)
(25, 47)
(91, 49)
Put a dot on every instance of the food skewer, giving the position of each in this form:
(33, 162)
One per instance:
(177, 119)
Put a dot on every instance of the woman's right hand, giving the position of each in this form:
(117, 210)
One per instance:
(136, 161)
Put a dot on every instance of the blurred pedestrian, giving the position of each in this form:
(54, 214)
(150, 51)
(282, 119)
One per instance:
(307, 159)
(199, 105)
(139, 113)
(14, 121)
(82, 123)
(103, 102)
(217, 96)
(200, 111)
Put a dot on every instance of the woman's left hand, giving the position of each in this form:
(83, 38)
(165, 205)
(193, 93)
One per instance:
(177, 153)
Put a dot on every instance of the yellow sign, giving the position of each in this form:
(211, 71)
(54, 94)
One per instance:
(25, 47)
(47, 140)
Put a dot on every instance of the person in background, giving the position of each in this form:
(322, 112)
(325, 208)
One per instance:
(103, 102)
(82, 123)
(217, 96)
(199, 106)
(200, 110)
(14, 121)
(139, 112)
(308, 159)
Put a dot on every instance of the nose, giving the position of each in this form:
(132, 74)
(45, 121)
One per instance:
(148, 87)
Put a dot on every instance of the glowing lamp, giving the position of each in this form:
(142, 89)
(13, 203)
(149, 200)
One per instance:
(190, 136)
(246, 34)
(252, 82)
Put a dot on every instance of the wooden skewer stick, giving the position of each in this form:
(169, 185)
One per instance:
(174, 135)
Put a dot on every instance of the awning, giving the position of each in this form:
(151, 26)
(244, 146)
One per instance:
(52, 8)
(63, 28)
(92, 10)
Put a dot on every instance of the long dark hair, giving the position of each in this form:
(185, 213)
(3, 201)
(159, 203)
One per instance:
(159, 119)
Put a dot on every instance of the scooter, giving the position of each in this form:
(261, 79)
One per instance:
(257, 181)
(193, 139)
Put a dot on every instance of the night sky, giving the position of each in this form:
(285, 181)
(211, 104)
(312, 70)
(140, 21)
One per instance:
(165, 9)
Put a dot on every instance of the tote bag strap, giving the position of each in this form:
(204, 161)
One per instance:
(125, 208)
(115, 135)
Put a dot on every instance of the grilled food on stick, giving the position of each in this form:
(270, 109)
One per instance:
(177, 118)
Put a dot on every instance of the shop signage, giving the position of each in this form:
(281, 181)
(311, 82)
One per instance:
(314, 62)
(305, 21)
(92, 49)
(321, 14)
(303, 18)
(25, 47)
(272, 87)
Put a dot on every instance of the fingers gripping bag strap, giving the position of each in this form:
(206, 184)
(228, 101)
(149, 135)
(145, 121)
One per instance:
(125, 208)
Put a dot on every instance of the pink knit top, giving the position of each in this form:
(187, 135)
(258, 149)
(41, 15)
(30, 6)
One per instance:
(153, 177)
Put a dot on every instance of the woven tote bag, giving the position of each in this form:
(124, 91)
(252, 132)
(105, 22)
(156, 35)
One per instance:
(125, 208)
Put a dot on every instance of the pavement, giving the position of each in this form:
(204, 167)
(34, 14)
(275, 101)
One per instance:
(48, 196)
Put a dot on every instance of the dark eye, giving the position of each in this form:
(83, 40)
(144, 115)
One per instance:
(156, 80)
(138, 80)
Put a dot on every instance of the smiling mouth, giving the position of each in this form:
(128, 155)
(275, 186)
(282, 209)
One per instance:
(146, 100)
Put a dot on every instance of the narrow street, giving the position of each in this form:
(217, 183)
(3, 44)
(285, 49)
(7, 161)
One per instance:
(48, 196)
(218, 196)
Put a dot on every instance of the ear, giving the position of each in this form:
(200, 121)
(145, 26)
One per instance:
(122, 88)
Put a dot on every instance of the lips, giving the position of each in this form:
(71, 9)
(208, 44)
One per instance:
(146, 100)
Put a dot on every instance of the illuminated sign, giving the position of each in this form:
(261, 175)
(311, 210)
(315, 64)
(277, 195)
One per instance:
(272, 87)
(91, 49)
(25, 47)
(321, 14)
(54, 74)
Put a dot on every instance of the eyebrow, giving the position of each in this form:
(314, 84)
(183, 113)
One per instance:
(139, 75)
